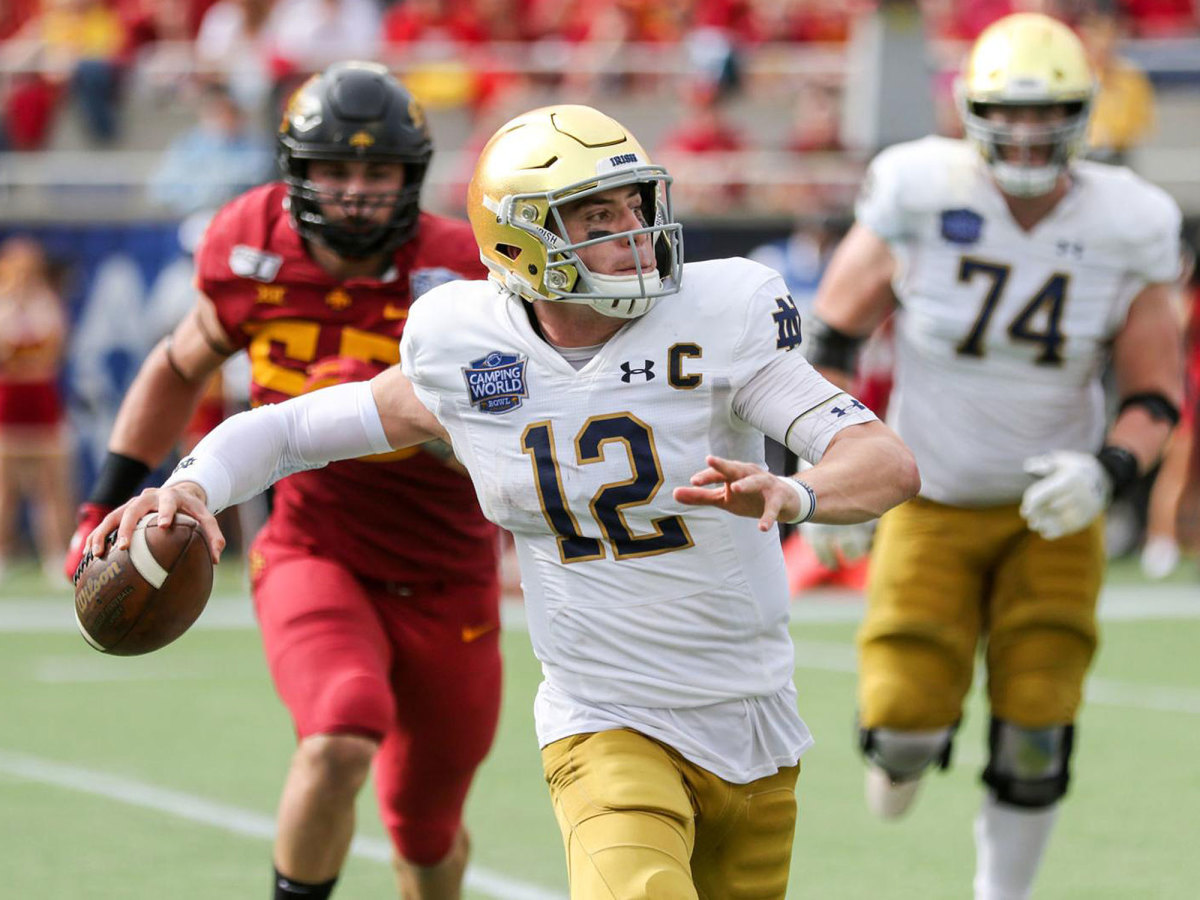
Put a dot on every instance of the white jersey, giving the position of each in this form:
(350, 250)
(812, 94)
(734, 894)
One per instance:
(645, 613)
(1002, 334)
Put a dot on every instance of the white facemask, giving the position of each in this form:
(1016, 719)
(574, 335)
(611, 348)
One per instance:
(1025, 181)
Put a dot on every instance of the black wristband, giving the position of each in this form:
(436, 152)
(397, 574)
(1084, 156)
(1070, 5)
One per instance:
(119, 479)
(829, 348)
(1121, 466)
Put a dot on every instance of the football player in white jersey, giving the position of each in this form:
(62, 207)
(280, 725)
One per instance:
(1016, 274)
(610, 405)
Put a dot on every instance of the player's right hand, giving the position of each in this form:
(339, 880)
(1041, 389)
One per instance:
(185, 497)
(88, 517)
(835, 545)
(741, 489)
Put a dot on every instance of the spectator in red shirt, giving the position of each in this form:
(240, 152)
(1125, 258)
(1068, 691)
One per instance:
(1162, 18)
(704, 133)
(811, 21)
(431, 20)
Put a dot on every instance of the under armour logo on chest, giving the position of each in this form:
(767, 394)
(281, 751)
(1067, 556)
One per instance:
(647, 371)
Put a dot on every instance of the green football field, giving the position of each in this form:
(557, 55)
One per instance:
(156, 777)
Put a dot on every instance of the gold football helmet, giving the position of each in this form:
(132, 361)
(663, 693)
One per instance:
(1026, 61)
(556, 155)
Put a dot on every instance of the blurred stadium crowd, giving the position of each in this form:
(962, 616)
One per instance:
(125, 123)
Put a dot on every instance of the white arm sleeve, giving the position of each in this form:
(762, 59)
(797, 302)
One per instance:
(249, 452)
(792, 402)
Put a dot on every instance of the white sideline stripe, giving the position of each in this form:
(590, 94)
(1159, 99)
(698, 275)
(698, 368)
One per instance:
(1118, 603)
(233, 612)
(91, 668)
(230, 818)
(829, 656)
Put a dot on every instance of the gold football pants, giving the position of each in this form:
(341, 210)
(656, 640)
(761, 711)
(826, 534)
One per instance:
(640, 822)
(944, 578)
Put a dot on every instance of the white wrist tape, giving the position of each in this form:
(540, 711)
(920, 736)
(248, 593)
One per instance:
(808, 500)
(247, 453)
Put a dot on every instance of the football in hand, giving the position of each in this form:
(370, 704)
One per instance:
(133, 601)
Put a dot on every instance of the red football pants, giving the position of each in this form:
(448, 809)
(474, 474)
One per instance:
(416, 667)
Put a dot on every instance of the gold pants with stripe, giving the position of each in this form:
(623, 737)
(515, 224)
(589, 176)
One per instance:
(640, 822)
(943, 580)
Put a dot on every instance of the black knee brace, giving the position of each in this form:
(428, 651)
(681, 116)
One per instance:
(905, 755)
(1028, 767)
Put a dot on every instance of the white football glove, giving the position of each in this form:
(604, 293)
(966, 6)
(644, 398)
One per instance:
(851, 542)
(1071, 490)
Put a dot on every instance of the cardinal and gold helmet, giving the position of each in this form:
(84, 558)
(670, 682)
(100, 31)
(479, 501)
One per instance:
(1027, 62)
(353, 111)
(550, 157)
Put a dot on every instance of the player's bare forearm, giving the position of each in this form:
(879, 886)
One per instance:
(155, 410)
(405, 419)
(855, 294)
(1148, 362)
(171, 381)
(866, 470)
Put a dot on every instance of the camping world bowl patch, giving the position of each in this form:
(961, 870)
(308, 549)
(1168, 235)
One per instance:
(496, 382)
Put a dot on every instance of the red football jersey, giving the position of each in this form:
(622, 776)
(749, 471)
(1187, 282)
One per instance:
(401, 516)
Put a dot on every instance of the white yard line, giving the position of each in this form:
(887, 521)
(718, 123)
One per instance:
(1118, 603)
(832, 656)
(230, 818)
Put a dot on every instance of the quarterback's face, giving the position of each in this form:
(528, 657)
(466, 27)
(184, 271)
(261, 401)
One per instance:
(607, 213)
(356, 193)
(1026, 125)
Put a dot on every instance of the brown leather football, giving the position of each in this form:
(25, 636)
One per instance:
(136, 600)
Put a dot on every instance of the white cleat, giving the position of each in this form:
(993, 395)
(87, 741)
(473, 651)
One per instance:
(889, 799)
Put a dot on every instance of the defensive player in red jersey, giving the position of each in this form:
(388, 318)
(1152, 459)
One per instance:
(375, 580)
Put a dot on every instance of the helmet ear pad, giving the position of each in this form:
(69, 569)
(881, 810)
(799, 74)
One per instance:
(530, 257)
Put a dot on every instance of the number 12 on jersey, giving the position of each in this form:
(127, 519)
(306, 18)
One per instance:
(610, 501)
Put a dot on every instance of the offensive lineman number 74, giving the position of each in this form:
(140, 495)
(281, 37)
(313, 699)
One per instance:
(1048, 301)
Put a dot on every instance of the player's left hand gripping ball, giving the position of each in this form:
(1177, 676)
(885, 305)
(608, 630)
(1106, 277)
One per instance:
(133, 601)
